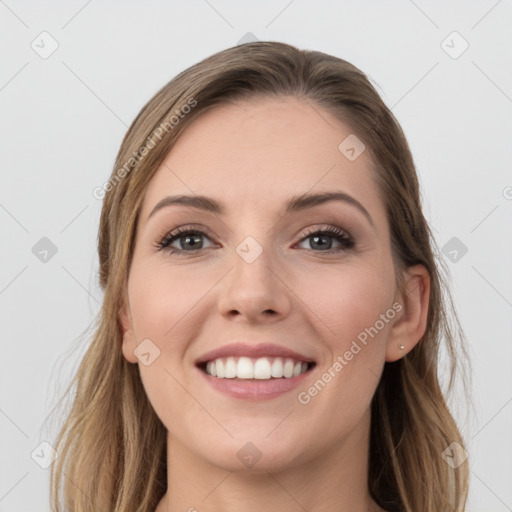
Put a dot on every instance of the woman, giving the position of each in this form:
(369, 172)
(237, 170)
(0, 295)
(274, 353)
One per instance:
(273, 308)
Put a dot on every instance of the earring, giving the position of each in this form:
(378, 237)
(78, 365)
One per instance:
(401, 347)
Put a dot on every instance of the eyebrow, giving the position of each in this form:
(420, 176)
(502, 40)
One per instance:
(296, 203)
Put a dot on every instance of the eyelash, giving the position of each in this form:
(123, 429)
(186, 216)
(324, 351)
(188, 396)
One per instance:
(338, 234)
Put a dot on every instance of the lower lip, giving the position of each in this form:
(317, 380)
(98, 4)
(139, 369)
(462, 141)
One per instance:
(254, 389)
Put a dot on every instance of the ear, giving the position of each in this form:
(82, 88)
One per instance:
(408, 329)
(129, 342)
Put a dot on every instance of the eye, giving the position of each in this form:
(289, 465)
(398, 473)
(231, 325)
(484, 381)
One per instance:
(188, 240)
(322, 239)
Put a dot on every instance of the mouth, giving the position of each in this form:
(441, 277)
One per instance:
(252, 371)
(252, 368)
(256, 377)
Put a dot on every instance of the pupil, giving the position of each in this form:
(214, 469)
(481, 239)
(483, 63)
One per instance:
(193, 237)
(321, 237)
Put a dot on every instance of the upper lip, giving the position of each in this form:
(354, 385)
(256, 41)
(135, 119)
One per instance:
(239, 349)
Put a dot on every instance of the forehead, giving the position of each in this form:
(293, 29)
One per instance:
(257, 153)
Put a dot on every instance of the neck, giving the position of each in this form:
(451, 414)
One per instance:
(333, 481)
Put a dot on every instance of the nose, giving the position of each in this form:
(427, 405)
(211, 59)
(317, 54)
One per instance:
(255, 291)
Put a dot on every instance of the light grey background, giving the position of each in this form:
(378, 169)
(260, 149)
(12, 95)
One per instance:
(63, 118)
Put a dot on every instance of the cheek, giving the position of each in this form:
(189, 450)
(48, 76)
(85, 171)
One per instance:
(163, 300)
(349, 311)
(348, 301)
(166, 309)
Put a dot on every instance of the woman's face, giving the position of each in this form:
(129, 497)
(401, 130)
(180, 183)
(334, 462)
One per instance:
(258, 278)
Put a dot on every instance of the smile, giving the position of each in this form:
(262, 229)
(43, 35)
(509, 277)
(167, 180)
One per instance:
(254, 371)
(261, 368)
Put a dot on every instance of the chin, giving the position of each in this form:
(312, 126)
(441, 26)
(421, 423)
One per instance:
(253, 454)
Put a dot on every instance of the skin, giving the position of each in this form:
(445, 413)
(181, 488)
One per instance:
(252, 156)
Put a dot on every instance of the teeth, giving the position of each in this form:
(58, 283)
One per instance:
(211, 369)
(262, 368)
(277, 368)
(288, 369)
(244, 368)
(220, 368)
(230, 368)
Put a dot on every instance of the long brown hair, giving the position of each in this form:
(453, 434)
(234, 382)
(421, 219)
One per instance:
(112, 446)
